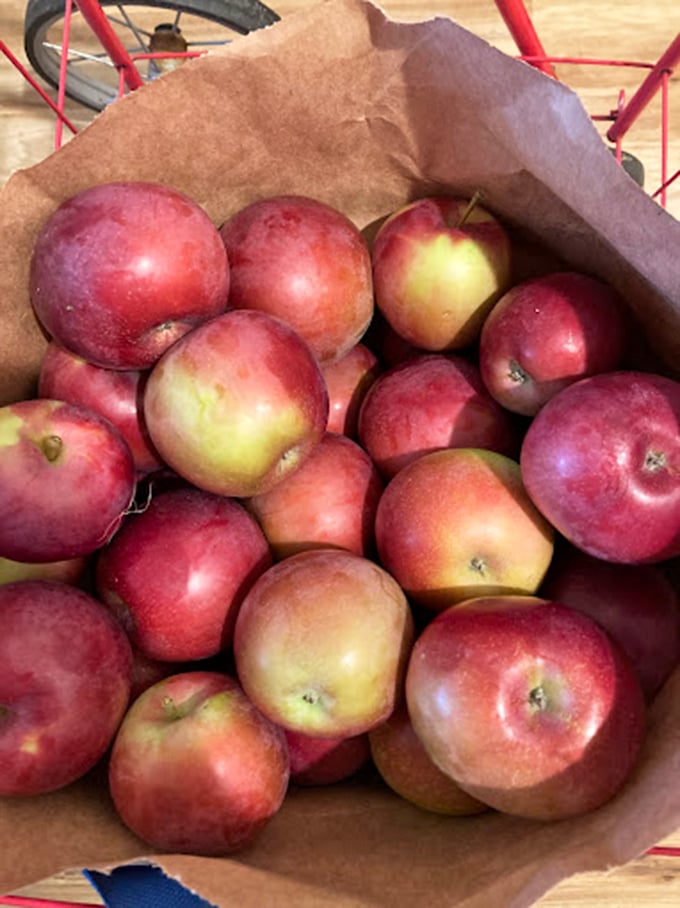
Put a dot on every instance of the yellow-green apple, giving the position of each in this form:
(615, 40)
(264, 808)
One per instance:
(601, 461)
(67, 479)
(121, 270)
(176, 573)
(430, 402)
(325, 761)
(65, 676)
(237, 404)
(113, 393)
(406, 767)
(70, 570)
(330, 500)
(321, 643)
(195, 768)
(636, 603)
(439, 265)
(546, 333)
(527, 704)
(347, 380)
(458, 523)
(305, 262)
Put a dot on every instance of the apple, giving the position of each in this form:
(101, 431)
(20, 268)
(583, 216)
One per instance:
(195, 768)
(65, 675)
(439, 265)
(636, 603)
(527, 704)
(306, 263)
(70, 570)
(113, 393)
(122, 269)
(601, 461)
(458, 523)
(177, 572)
(325, 761)
(547, 332)
(237, 404)
(321, 643)
(405, 766)
(347, 381)
(67, 479)
(330, 500)
(431, 402)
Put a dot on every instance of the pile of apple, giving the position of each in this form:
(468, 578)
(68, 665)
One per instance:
(291, 504)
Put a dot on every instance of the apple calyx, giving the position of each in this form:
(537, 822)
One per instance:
(655, 461)
(517, 374)
(51, 447)
(471, 205)
(538, 699)
(478, 565)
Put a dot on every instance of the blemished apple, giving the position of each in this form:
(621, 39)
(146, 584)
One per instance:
(636, 603)
(529, 705)
(347, 381)
(601, 461)
(439, 265)
(113, 393)
(176, 573)
(458, 523)
(305, 262)
(122, 269)
(546, 333)
(325, 761)
(321, 643)
(406, 767)
(67, 479)
(195, 768)
(65, 680)
(431, 402)
(330, 500)
(237, 404)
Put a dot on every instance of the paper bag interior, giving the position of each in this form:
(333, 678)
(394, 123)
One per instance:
(340, 103)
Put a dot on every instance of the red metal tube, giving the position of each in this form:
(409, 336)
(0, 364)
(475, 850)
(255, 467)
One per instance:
(644, 94)
(520, 26)
(95, 17)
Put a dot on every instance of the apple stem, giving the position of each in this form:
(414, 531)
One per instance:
(52, 446)
(171, 709)
(516, 373)
(471, 205)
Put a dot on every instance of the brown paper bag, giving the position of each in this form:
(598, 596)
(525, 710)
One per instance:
(340, 103)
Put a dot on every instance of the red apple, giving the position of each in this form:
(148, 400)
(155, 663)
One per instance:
(347, 380)
(122, 269)
(439, 265)
(405, 766)
(237, 404)
(430, 402)
(635, 603)
(321, 643)
(325, 761)
(546, 333)
(527, 704)
(601, 461)
(304, 262)
(114, 394)
(195, 768)
(66, 480)
(176, 573)
(65, 674)
(458, 523)
(330, 500)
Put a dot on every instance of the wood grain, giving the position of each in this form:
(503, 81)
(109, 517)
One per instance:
(614, 29)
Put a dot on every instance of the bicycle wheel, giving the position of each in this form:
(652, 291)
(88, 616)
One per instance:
(143, 26)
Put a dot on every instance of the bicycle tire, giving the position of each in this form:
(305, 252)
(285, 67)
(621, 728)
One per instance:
(239, 16)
